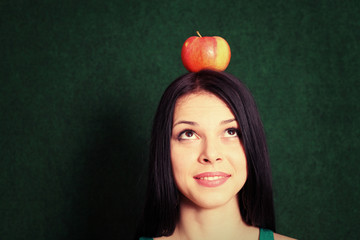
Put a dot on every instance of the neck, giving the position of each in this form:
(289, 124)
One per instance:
(222, 222)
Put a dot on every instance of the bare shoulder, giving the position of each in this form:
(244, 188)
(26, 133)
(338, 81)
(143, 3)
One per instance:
(282, 237)
(162, 238)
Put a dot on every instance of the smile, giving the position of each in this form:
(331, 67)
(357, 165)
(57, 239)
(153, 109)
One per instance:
(212, 179)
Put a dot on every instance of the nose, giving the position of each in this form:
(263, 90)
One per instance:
(210, 152)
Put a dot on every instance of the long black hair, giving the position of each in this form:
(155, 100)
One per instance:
(161, 211)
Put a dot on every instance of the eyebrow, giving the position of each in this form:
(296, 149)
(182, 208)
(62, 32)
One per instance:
(227, 121)
(195, 123)
(186, 122)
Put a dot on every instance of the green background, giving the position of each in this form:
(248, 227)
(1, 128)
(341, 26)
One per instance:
(80, 82)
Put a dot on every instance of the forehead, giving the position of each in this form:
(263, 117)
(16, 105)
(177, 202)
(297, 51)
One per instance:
(201, 104)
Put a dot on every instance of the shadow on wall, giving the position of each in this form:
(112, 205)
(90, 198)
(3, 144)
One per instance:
(110, 195)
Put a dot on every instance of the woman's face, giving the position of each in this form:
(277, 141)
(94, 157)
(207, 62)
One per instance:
(208, 159)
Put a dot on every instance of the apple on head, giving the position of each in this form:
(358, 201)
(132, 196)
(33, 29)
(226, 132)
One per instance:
(205, 53)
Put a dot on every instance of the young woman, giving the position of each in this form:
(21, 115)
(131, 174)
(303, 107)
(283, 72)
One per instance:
(209, 175)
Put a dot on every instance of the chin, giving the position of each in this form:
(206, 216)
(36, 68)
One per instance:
(210, 201)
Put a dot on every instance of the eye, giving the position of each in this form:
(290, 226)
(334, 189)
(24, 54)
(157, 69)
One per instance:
(232, 132)
(187, 135)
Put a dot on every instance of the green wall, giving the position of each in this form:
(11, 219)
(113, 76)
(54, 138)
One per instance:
(80, 82)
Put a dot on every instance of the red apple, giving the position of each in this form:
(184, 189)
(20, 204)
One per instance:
(205, 53)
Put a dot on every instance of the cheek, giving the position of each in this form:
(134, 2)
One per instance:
(178, 162)
(238, 160)
(183, 161)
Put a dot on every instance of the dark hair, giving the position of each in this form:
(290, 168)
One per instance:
(161, 211)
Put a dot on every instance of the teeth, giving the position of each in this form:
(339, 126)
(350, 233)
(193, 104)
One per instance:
(211, 178)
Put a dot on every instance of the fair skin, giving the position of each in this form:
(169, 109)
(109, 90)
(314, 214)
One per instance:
(210, 168)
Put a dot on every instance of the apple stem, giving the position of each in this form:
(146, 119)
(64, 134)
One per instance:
(198, 33)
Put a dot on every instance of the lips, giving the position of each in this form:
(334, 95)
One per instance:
(212, 179)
